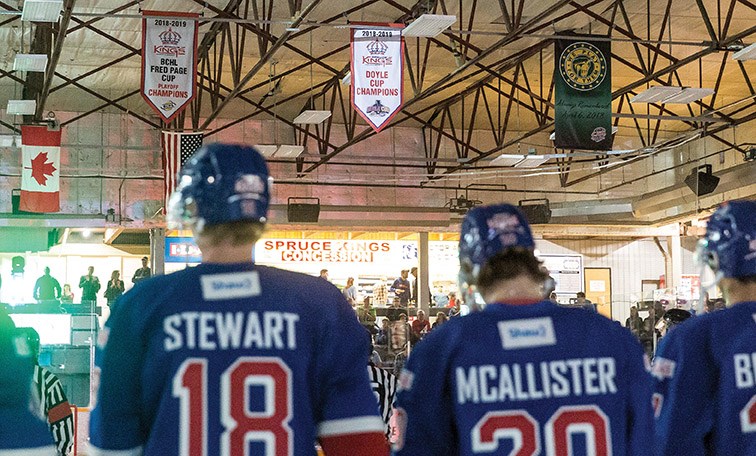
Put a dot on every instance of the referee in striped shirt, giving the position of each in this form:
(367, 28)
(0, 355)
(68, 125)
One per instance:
(53, 403)
(383, 383)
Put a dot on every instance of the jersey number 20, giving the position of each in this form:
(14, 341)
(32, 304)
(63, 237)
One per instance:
(240, 424)
(522, 429)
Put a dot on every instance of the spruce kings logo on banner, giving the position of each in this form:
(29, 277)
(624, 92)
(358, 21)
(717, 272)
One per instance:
(583, 95)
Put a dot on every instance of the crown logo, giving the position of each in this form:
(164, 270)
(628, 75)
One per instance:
(377, 47)
(169, 37)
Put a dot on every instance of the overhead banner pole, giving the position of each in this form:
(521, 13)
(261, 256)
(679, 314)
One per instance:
(169, 61)
(583, 80)
(377, 72)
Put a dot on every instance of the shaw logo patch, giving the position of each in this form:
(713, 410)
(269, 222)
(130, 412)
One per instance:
(530, 332)
(217, 287)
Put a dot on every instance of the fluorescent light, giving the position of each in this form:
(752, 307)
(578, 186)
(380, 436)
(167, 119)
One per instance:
(289, 151)
(266, 150)
(347, 79)
(30, 62)
(656, 94)
(429, 25)
(689, 95)
(507, 160)
(312, 117)
(21, 107)
(532, 161)
(668, 95)
(41, 10)
(747, 53)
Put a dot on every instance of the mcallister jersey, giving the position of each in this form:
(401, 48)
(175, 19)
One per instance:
(706, 385)
(526, 380)
(232, 360)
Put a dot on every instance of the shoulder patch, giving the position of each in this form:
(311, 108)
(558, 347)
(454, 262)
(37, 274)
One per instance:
(406, 379)
(525, 333)
(663, 368)
(217, 287)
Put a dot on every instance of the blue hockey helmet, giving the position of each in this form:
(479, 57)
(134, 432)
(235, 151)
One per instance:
(487, 231)
(221, 183)
(729, 247)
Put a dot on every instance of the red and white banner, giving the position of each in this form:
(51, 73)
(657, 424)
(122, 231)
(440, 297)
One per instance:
(169, 61)
(40, 169)
(377, 72)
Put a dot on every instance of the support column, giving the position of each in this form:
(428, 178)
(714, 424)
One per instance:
(157, 251)
(422, 278)
(674, 271)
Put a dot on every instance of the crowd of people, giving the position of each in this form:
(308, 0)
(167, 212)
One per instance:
(230, 357)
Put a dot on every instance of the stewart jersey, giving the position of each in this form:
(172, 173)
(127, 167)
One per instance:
(706, 385)
(526, 379)
(232, 360)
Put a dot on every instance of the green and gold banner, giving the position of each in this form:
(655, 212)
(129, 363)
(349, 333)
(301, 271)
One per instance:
(583, 79)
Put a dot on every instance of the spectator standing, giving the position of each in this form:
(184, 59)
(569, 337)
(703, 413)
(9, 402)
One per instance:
(634, 322)
(21, 432)
(453, 301)
(52, 400)
(401, 288)
(585, 303)
(114, 289)
(350, 292)
(166, 388)
(517, 376)
(90, 285)
(324, 275)
(706, 367)
(47, 287)
(67, 295)
(142, 273)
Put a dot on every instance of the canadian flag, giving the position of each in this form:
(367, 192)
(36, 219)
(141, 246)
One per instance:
(40, 170)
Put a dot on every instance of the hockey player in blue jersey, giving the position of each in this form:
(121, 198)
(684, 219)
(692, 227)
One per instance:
(706, 367)
(522, 376)
(230, 358)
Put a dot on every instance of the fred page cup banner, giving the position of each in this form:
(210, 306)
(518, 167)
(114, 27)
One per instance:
(169, 61)
(377, 72)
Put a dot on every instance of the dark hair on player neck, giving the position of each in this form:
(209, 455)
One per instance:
(508, 265)
(746, 280)
(235, 233)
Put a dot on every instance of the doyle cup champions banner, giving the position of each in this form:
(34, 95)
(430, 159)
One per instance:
(169, 61)
(583, 80)
(377, 72)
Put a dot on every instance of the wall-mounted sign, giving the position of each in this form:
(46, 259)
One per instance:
(377, 72)
(566, 270)
(182, 250)
(169, 61)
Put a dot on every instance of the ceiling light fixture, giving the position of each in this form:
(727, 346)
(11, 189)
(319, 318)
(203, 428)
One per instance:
(30, 62)
(312, 117)
(668, 95)
(747, 53)
(429, 25)
(507, 160)
(280, 151)
(21, 107)
(266, 150)
(532, 161)
(41, 10)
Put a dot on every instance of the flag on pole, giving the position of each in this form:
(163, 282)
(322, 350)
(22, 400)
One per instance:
(177, 149)
(40, 169)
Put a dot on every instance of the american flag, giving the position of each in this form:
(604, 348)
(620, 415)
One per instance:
(177, 149)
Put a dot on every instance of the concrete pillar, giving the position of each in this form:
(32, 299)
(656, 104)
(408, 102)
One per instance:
(157, 250)
(422, 277)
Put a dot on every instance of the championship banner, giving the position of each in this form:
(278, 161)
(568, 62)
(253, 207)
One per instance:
(40, 169)
(583, 80)
(377, 72)
(169, 61)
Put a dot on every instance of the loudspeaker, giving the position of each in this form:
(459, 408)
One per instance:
(303, 212)
(537, 211)
(702, 182)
